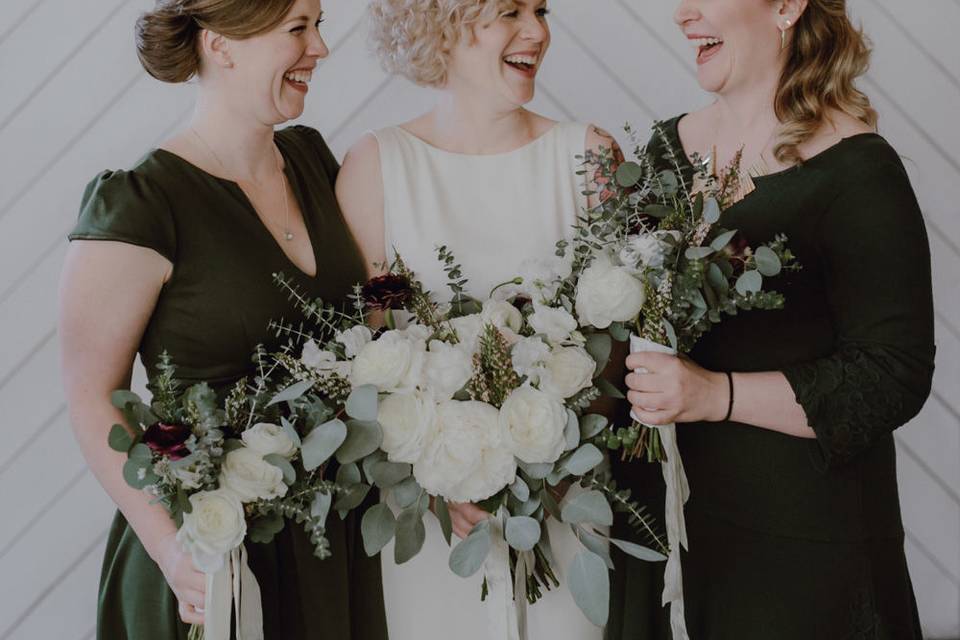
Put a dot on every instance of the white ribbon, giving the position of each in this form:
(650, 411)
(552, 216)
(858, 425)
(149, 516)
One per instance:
(506, 616)
(233, 587)
(678, 492)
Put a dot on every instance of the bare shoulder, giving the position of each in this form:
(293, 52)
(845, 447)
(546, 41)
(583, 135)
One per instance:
(359, 192)
(361, 162)
(598, 138)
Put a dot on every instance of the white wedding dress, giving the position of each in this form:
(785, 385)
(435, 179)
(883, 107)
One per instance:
(492, 212)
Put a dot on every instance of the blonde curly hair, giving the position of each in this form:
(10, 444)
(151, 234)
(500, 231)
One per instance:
(414, 38)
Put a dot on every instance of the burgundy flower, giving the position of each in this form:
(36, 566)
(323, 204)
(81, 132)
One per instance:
(390, 291)
(168, 439)
(737, 251)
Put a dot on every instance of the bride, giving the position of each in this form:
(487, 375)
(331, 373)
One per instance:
(497, 184)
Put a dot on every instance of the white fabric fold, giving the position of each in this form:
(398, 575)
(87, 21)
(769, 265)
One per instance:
(503, 622)
(678, 492)
(233, 587)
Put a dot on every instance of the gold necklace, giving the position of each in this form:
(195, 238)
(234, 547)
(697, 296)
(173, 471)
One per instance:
(287, 233)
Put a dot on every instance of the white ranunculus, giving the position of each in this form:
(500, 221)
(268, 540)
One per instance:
(266, 438)
(392, 363)
(406, 419)
(608, 293)
(468, 329)
(354, 339)
(568, 371)
(448, 367)
(533, 424)
(502, 315)
(252, 478)
(324, 361)
(215, 526)
(555, 322)
(540, 277)
(415, 332)
(529, 356)
(455, 447)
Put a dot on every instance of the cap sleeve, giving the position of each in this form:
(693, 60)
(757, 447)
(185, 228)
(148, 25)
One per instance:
(125, 206)
(313, 146)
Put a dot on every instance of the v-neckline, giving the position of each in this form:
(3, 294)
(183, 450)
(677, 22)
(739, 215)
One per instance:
(248, 204)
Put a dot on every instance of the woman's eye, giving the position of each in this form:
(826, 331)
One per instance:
(297, 30)
(319, 22)
(543, 13)
(510, 14)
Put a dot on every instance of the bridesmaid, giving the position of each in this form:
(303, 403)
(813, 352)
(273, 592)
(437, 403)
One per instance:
(794, 521)
(176, 254)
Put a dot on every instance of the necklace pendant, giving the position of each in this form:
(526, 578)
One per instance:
(288, 236)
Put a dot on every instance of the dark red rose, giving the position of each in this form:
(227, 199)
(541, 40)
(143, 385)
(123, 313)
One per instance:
(390, 291)
(737, 252)
(168, 439)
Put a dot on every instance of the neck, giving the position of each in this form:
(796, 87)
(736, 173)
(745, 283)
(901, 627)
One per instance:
(243, 147)
(467, 125)
(741, 112)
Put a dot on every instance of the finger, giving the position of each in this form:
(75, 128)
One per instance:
(647, 382)
(649, 402)
(192, 598)
(189, 615)
(649, 360)
(471, 512)
(655, 418)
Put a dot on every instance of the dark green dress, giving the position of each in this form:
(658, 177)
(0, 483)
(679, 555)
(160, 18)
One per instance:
(209, 317)
(799, 539)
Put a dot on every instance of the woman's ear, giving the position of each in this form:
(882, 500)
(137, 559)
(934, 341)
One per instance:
(790, 10)
(215, 49)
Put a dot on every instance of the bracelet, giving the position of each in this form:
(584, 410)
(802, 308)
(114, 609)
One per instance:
(730, 405)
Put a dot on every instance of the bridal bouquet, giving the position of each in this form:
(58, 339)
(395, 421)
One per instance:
(482, 402)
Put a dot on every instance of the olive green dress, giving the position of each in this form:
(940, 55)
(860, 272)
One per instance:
(790, 538)
(210, 315)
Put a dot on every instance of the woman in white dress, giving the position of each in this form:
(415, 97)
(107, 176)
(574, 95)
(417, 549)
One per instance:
(496, 184)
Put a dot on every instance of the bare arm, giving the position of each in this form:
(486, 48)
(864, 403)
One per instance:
(108, 291)
(360, 194)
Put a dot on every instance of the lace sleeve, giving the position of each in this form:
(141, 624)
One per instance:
(876, 263)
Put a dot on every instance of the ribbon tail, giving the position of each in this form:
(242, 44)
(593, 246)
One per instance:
(249, 602)
(217, 604)
(502, 623)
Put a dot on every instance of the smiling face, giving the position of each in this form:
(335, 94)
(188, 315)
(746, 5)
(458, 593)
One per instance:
(501, 59)
(271, 72)
(737, 42)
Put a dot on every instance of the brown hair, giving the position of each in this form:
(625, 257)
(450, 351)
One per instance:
(827, 54)
(167, 36)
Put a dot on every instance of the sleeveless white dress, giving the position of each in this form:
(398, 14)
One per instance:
(492, 212)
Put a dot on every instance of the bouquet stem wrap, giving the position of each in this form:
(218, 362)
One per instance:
(507, 606)
(233, 587)
(678, 492)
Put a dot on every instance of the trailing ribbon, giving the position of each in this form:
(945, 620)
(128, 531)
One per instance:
(678, 492)
(233, 587)
(506, 598)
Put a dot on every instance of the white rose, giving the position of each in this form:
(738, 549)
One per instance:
(354, 339)
(533, 424)
(391, 363)
(415, 332)
(265, 438)
(448, 367)
(568, 371)
(529, 356)
(540, 277)
(468, 329)
(215, 526)
(252, 478)
(323, 361)
(498, 469)
(555, 322)
(406, 419)
(502, 315)
(455, 447)
(607, 293)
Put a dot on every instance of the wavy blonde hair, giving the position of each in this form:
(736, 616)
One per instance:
(827, 54)
(414, 38)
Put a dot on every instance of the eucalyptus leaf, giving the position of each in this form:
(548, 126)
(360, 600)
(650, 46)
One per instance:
(572, 431)
(468, 556)
(362, 403)
(619, 332)
(537, 471)
(520, 489)
(666, 184)
(717, 279)
(589, 584)
(768, 262)
(595, 543)
(280, 462)
(183, 501)
(749, 282)
(141, 452)
(638, 551)
(608, 389)
(590, 506)
(591, 425)
(550, 504)
(139, 473)
(349, 475)
(658, 211)
(120, 439)
(410, 534)
(584, 459)
(291, 432)
(443, 515)
(263, 529)
(522, 532)
(671, 334)
(386, 474)
(529, 507)
(407, 492)
(122, 397)
(599, 346)
(363, 438)
(352, 499)
(557, 476)
(698, 253)
(711, 210)
(292, 392)
(723, 240)
(628, 174)
(320, 507)
(322, 442)
(378, 528)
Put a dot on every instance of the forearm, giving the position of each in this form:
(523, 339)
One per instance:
(767, 400)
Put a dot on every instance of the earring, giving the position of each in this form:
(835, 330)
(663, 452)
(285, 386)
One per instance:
(783, 35)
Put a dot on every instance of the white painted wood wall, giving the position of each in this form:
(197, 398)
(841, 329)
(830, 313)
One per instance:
(73, 101)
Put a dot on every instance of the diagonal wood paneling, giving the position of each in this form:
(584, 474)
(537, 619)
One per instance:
(83, 104)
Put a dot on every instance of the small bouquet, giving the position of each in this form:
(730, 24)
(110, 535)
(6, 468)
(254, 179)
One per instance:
(482, 402)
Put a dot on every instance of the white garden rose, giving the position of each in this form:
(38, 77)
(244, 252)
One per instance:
(406, 419)
(415, 332)
(533, 424)
(608, 293)
(266, 438)
(215, 526)
(324, 361)
(555, 322)
(392, 363)
(468, 329)
(540, 278)
(447, 368)
(354, 339)
(568, 371)
(529, 356)
(498, 469)
(252, 478)
(455, 448)
(502, 315)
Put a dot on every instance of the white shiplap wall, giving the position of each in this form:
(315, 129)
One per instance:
(73, 101)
